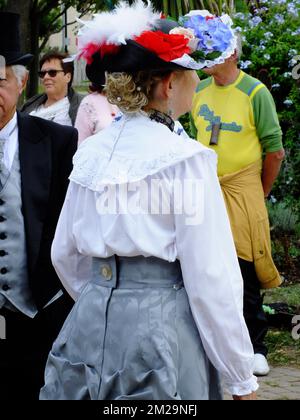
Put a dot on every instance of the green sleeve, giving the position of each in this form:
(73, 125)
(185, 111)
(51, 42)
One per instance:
(193, 129)
(266, 121)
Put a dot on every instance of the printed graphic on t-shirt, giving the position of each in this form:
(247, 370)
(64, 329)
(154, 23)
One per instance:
(214, 119)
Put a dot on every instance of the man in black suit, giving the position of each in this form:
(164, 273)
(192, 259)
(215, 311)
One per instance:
(35, 162)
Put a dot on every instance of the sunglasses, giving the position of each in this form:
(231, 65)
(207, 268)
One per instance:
(52, 73)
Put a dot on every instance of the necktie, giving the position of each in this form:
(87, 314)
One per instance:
(4, 172)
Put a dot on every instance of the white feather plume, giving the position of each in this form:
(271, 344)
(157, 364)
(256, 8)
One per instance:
(123, 23)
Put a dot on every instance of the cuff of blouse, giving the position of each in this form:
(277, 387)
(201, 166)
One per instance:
(241, 388)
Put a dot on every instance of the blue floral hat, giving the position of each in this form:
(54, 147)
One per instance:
(214, 38)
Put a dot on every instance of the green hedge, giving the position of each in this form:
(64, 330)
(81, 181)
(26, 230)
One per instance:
(271, 52)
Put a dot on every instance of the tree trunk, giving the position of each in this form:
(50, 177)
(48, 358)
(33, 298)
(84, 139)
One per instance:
(23, 9)
(33, 83)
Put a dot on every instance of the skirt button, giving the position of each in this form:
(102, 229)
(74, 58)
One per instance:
(106, 272)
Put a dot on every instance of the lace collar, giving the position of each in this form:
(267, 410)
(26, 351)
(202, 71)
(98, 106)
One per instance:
(126, 153)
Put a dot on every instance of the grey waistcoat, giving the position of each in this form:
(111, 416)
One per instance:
(14, 289)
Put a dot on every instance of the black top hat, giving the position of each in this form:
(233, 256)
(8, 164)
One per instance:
(10, 40)
(131, 57)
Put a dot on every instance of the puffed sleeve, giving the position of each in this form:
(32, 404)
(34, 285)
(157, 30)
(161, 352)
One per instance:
(84, 123)
(212, 275)
(72, 267)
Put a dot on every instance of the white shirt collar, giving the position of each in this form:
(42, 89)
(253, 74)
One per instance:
(6, 131)
(10, 134)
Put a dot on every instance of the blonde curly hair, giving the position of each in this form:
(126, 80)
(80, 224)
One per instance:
(132, 92)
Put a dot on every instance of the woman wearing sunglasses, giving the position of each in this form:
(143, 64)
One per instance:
(60, 102)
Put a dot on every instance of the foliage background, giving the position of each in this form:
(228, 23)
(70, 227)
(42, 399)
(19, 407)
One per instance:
(271, 35)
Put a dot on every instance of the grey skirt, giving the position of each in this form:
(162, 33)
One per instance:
(131, 336)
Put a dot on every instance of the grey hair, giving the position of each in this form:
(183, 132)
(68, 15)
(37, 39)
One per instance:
(20, 72)
(239, 46)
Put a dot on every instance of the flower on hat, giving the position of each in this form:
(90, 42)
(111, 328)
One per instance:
(214, 34)
(165, 46)
(187, 33)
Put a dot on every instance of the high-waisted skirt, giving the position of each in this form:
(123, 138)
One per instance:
(131, 336)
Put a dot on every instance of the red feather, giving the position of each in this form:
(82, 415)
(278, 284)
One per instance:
(91, 49)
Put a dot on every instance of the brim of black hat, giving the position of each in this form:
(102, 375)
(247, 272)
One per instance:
(131, 58)
(16, 58)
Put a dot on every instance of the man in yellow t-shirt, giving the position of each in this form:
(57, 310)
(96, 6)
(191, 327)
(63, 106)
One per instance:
(235, 115)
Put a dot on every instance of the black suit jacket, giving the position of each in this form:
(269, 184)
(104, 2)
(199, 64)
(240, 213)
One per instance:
(46, 150)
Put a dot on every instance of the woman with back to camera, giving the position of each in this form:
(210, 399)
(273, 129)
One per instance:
(153, 269)
(95, 112)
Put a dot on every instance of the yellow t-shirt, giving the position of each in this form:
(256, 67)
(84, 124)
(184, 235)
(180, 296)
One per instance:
(249, 123)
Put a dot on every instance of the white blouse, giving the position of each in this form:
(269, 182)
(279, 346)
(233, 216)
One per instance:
(58, 112)
(111, 208)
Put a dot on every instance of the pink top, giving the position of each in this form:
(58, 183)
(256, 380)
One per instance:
(94, 114)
